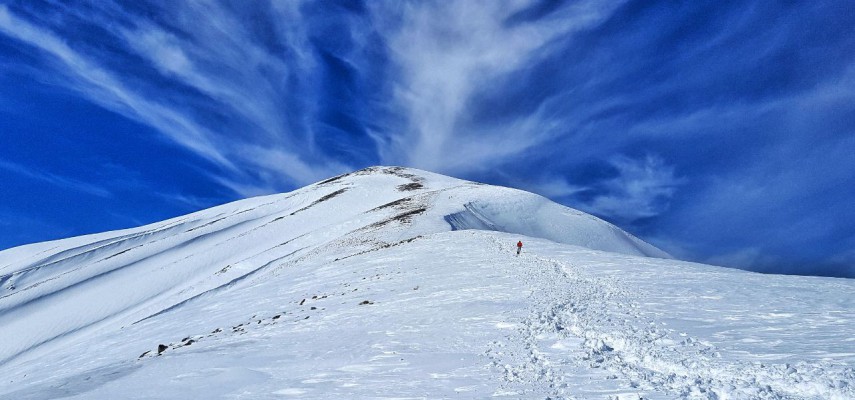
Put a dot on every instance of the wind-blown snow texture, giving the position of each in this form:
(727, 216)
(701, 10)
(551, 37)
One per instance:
(392, 282)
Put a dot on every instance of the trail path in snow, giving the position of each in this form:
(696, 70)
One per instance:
(581, 329)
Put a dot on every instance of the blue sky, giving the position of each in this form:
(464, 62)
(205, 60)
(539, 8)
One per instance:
(723, 132)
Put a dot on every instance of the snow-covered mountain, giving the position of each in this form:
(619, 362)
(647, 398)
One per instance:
(398, 283)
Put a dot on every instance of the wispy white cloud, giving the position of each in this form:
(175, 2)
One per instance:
(440, 54)
(54, 179)
(558, 188)
(103, 88)
(642, 189)
(217, 57)
(197, 64)
(445, 52)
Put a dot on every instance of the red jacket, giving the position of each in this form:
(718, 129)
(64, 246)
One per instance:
(519, 244)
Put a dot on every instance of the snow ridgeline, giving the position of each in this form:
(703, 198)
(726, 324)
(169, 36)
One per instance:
(364, 286)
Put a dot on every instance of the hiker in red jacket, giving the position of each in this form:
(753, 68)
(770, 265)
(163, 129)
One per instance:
(519, 247)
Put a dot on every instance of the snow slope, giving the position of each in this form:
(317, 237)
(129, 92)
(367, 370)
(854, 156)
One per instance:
(399, 283)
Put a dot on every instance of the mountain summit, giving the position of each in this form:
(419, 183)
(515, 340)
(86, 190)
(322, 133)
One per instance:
(396, 282)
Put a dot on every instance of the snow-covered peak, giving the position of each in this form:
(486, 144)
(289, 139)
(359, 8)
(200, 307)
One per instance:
(461, 204)
(377, 205)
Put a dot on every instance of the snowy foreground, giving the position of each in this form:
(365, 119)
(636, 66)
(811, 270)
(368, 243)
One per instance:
(398, 283)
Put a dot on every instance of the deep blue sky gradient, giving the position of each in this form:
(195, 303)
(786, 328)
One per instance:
(723, 132)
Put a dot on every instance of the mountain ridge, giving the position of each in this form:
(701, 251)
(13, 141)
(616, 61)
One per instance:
(414, 195)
